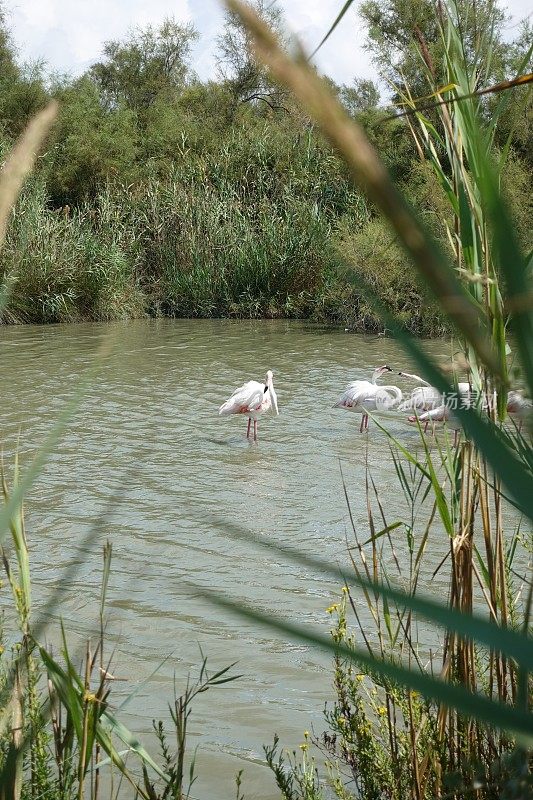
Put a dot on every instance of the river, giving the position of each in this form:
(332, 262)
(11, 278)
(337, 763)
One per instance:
(147, 445)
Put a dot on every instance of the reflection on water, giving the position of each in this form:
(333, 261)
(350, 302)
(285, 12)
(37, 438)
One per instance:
(148, 435)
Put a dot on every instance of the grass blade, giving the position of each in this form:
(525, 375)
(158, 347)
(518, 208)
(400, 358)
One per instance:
(516, 722)
(505, 640)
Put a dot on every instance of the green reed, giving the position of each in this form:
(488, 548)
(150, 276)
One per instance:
(455, 723)
(251, 231)
(58, 735)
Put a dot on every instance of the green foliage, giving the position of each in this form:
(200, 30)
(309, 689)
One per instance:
(224, 199)
(374, 256)
(386, 740)
(22, 91)
(404, 37)
(361, 95)
(67, 265)
(516, 189)
(57, 731)
(296, 777)
(91, 146)
(240, 71)
(150, 63)
(402, 726)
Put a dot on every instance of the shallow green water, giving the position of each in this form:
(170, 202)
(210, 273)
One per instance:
(148, 434)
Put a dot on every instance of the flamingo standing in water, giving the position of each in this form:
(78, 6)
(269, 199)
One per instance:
(423, 398)
(364, 396)
(518, 406)
(442, 413)
(431, 401)
(252, 399)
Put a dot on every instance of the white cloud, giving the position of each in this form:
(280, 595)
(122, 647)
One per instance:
(69, 35)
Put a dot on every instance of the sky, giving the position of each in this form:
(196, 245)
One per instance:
(69, 34)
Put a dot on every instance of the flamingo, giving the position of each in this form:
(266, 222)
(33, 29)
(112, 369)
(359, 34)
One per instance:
(427, 398)
(442, 413)
(423, 398)
(364, 396)
(518, 406)
(252, 399)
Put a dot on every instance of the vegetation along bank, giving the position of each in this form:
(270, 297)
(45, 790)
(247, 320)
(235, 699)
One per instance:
(160, 194)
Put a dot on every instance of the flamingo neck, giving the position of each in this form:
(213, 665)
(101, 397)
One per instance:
(416, 378)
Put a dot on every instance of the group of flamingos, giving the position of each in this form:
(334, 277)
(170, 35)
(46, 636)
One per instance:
(428, 404)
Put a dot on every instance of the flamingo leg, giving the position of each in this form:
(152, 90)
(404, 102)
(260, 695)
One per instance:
(248, 430)
(426, 426)
(362, 423)
(255, 430)
(366, 422)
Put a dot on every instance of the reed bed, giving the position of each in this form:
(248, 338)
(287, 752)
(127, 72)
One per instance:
(251, 231)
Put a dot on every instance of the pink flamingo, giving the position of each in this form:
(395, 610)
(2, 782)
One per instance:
(518, 406)
(364, 396)
(252, 399)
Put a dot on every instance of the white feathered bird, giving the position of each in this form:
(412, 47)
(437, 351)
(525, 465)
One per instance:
(442, 413)
(423, 398)
(518, 406)
(442, 408)
(365, 396)
(252, 399)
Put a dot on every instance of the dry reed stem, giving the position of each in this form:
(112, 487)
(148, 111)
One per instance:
(21, 160)
(350, 140)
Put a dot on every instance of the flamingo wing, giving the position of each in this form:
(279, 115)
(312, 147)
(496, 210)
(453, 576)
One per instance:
(246, 398)
(387, 397)
(423, 398)
(355, 394)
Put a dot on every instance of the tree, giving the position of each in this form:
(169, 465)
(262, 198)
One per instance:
(360, 96)
(93, 145)
(22, 91)
(237, 67)
(405, 41)
(149, 63)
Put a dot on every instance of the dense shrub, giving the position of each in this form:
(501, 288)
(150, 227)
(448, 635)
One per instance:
(161, 194)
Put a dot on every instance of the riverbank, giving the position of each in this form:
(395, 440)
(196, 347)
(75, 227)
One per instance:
(172, 249)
